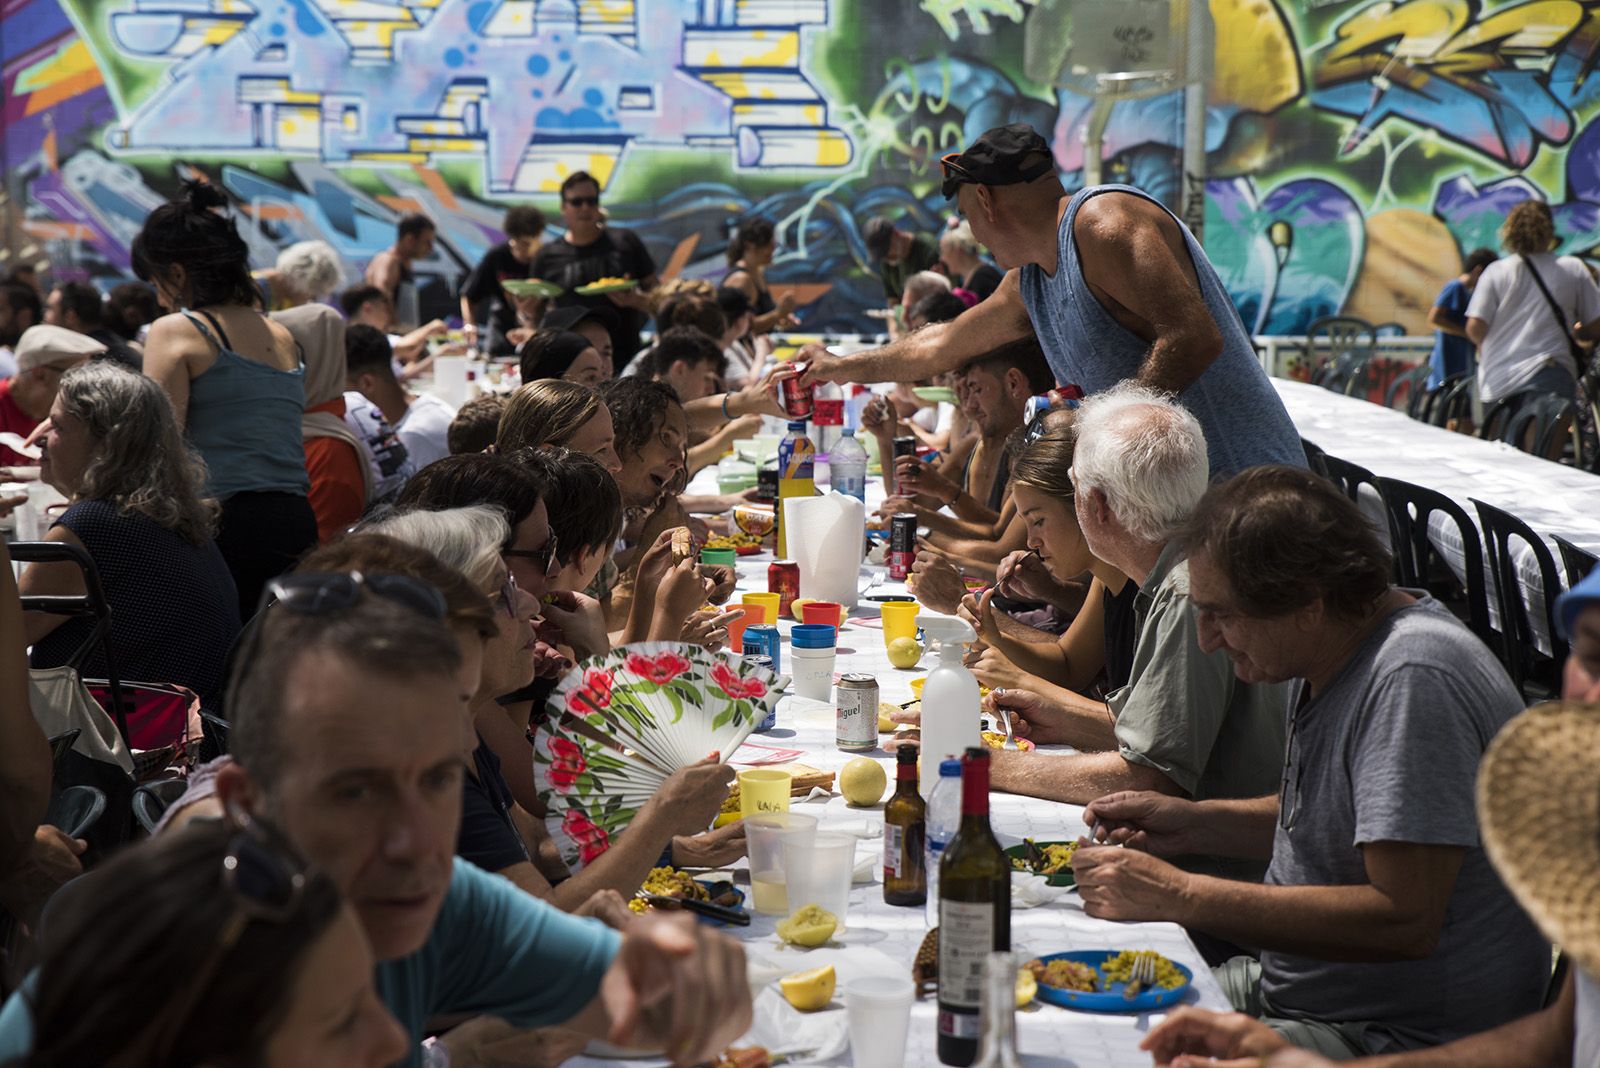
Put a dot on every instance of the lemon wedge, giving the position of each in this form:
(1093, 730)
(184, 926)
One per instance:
(1027, 987)
(810, 990)
(811, 925)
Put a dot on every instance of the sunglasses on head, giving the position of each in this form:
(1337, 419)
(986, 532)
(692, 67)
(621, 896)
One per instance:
(544, 556)
(323, 593)
(955, 175)
(266, 883)
(584, 202)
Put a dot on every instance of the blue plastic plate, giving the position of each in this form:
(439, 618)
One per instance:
(709, 921)
(1147, 1000)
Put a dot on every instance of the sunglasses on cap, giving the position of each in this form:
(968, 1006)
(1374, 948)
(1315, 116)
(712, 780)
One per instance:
(955, 175)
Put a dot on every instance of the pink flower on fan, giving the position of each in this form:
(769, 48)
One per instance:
(730, 683)
(566, 765)
(593, 695)
(590, 839)
(660, 669)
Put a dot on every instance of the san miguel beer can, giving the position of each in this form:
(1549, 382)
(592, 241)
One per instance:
(856, 722)
(783, 579)
(762, 660)
(902, 545)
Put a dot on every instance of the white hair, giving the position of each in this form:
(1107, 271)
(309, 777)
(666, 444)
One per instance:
(960, 239)
(468, 539)
(1146, 453)
(925, 284)
(312, 267)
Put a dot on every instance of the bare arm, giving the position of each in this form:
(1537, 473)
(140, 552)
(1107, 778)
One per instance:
(1136, 263)
(1589, 331)
(25, 756)
(1397, 916)
(1477, 330)
(167, 353)
(1075, 780)
(981, 553)
(1447, 322)
(932, 350)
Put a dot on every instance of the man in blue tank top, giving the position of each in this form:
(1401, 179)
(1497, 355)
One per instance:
(1118, 289)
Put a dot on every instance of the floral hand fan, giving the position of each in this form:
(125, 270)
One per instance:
(621, 723)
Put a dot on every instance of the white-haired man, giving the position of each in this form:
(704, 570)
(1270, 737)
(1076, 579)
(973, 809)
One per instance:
(1183, 725)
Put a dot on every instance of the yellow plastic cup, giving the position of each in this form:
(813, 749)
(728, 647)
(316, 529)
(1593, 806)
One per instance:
(769, 601)
(917, 685)
(763, 790)
(899, 620)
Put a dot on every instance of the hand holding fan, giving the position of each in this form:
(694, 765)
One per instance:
(623, 722)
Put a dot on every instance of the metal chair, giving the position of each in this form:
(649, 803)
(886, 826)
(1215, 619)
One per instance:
(1579, 563)
(1538, 676)
(1422, 566)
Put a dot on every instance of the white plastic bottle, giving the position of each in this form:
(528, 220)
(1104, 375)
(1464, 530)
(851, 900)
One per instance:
(847, 466)
(943, 817)
(950, 703)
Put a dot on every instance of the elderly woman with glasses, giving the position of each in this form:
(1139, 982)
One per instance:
(114, 447)
(260, 963)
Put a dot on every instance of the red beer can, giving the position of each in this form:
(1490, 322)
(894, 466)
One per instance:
(796, 398)
(783, 579)
(902, 545)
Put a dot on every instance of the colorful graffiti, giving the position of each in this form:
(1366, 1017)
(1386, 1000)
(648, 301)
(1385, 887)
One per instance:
(1354, 150)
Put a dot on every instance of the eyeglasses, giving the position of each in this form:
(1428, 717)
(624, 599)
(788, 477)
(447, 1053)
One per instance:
(266, 883)
(955, 175)
(544, 556)
(583, 202)
(323, 593)
(508, 594)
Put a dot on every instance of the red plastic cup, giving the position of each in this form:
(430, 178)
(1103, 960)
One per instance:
(826, 613)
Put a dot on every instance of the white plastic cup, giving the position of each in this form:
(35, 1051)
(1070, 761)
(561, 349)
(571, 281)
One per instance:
(765, 835)
(811, 661)
(818, 872)
(879, 1011)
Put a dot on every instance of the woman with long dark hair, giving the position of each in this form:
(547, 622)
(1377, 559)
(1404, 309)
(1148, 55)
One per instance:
(236, 383)
(749, 255)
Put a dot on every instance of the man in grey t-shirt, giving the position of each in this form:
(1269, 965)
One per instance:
(1382, 925)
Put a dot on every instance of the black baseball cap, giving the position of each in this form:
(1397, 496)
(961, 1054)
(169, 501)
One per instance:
(1005, 155)
(569, 317)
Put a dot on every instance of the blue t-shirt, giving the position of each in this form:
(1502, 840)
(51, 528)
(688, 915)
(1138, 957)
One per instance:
(494, 949)
(1452, 353)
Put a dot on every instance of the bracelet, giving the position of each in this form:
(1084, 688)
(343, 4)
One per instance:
(725, 413)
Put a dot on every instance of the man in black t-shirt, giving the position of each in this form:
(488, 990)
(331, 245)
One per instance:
(589, 251)
(523, 226)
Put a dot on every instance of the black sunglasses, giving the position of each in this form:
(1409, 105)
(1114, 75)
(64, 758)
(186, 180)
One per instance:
(322, 593)
(544, 556)
(266, 883)
(584, 202)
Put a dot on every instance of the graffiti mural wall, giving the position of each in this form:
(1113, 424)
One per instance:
(1355, 150)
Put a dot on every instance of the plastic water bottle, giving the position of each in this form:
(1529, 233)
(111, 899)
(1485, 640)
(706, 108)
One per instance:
(943, 817)
(950, 703)
(847, 466)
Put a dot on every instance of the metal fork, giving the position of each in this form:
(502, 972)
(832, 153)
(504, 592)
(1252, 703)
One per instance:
(1005, 719)
(1141, 976)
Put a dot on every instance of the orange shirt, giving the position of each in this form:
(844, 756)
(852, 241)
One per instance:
(338, 489)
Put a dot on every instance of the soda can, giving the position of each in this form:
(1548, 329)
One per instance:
(856, 722)
(796, 399)
(763, 660)
(902, 447)
(767, 484)
(764, 640)
(783, 579)
(902, 545)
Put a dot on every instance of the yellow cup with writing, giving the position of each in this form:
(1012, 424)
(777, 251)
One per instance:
(769, 601)
(763, 790)
(899, 620)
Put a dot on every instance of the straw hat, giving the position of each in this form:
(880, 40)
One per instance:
(1539, 815)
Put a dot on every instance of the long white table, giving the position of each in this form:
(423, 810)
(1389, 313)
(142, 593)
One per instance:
(1047, 1035)
(1551, 498)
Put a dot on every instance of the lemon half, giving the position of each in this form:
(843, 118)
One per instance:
(811, 990)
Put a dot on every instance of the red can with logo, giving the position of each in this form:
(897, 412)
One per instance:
(783, 579)
(902, 545)
(796, 399)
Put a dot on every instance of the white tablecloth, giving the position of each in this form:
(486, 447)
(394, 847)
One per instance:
(1047, 1035)
(1551, 498)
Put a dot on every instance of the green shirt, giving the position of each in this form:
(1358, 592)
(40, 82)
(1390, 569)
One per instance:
(923, 254)
(1185, 713)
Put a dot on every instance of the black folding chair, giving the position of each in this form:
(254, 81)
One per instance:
(1422, 566)
(1316, 459)
(1349, 477)
(1454, 403)
(1578, 562)
(75, 810)
(151, 801)
(1406, 389)
(1537, 675)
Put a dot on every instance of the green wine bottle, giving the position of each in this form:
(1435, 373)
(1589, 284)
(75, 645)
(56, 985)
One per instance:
(974, 914)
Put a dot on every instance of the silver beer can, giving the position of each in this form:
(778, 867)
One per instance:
(856, 725)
